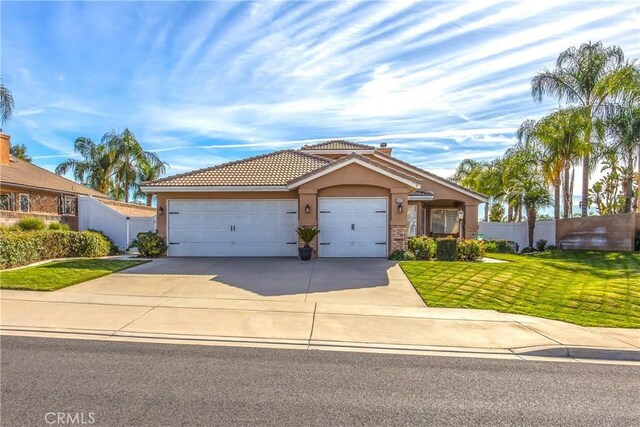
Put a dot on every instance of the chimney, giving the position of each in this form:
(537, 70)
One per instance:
(5, 146)
(384, 149)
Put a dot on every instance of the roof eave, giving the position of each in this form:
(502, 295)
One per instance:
(152, 189)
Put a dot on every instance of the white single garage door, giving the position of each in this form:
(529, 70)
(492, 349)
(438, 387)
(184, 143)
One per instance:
(234, 228)
(352, 227)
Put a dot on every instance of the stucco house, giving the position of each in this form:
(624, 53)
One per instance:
(364, 201)
(27, 190)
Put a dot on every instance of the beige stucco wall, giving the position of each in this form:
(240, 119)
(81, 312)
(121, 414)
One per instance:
(607, 232)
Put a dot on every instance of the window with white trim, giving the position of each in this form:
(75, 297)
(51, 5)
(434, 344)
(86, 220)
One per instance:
(444, 221)
(24, 203)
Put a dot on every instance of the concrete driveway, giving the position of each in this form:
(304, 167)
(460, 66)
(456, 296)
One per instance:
(340, 281)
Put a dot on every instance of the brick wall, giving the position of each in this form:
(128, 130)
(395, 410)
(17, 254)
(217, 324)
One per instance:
(399, 240)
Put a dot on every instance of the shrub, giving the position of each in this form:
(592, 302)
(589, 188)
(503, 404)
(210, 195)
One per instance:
(423, 247)
(502, 246)
(149, 244)
(58, 226)
(400, 255)
(30, 223)
(491, 247)
(446, 249)
(637, 245)
(113, 248)
(551, 247)
(541, 245)
(470, 250)
(19, 248)
(528, 250)
(307, 234)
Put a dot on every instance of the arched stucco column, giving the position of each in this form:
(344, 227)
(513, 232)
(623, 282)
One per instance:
(398, 225)
(308, 197)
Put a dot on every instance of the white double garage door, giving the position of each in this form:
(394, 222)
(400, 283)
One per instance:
(349, 227)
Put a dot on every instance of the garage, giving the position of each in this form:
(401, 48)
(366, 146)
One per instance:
(352, 227)
(235, 228)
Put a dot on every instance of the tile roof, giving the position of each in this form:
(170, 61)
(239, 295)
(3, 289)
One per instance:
(338, 145)
(431, 174)
(398, 173)
(25, 174)
(421, 193)
(273, 169)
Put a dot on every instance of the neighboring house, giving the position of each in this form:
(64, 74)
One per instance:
(365, 203)
(27, 190)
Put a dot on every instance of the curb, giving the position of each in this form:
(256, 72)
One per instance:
(550, 352)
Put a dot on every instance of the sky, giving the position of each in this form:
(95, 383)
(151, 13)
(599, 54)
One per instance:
(200, 83)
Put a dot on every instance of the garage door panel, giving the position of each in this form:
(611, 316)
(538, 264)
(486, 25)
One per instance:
(353, 227)
(232, 228)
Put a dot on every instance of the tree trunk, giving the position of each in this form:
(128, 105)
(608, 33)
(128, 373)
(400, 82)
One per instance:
(573, 176)
(486, 212)
(628, 196)
(638, 177)
(556, 200)
(585, 186)
(531, 224)
(509, 213)
(566, 192)
(149, 199)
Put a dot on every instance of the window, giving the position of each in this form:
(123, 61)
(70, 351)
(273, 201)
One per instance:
(5, 202)
(444, 221)
(24, 203)
(412, 218)
(68, 205)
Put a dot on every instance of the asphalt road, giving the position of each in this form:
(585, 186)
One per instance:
(111, 383)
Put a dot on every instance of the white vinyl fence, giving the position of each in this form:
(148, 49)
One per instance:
(120, 228)
(518, 232)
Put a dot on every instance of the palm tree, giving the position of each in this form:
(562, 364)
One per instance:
(585, 77)
(6, 104)
(559, 141)
(534, 197)
(96, 167)
(130, 158)
(149, 172)
(483, 177)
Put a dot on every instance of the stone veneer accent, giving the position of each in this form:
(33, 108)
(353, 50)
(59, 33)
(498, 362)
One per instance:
(470, 232)
(399, 240)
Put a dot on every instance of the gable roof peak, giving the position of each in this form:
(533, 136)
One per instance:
(337, 145)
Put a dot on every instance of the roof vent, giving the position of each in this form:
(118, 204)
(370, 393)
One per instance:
(383, 145)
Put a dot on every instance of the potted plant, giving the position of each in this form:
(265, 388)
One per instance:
(306, 234)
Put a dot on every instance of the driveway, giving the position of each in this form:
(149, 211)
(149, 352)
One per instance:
(340, 281)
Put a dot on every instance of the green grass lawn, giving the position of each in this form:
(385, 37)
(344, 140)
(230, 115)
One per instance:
(584, 287)
(60, 274)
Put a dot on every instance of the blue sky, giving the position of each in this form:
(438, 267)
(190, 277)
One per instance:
(205, 82)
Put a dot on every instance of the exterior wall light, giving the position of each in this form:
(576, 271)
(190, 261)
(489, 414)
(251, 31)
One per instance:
(460, 214)
(399, 207)
(160, 210)
(307, 209)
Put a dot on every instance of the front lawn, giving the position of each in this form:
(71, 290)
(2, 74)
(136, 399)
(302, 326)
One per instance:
(60, 274)
(584, 287)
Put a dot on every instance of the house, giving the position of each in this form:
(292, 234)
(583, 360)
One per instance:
(27, 190)
(364, 201)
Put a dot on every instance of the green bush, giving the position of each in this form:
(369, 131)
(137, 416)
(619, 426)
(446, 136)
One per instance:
(58, 226)
(470, 250)
(500, 246)
(423, 247)
(31, 223)
(446, 249)
(490, 247)
(400, 255)
(113, 248)
(541, 245)
(149, 244)
(637, 248)
(19, 248)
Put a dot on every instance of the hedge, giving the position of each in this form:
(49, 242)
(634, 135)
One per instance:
(447, 249)
(500, 246)
(423, 247)
(470, 250)
(19, 248)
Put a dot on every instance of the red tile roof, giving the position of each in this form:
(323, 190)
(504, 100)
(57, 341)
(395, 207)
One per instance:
(338, 145)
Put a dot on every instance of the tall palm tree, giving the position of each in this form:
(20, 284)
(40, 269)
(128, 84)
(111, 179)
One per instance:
(6, 104)
(149, 172)
(584, 77)
(558, 139)
(483, 177)
(130, 158)
(94, 169)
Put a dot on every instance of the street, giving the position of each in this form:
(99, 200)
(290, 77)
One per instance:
(122, 383)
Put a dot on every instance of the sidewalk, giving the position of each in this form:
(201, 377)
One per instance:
(309, 325)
